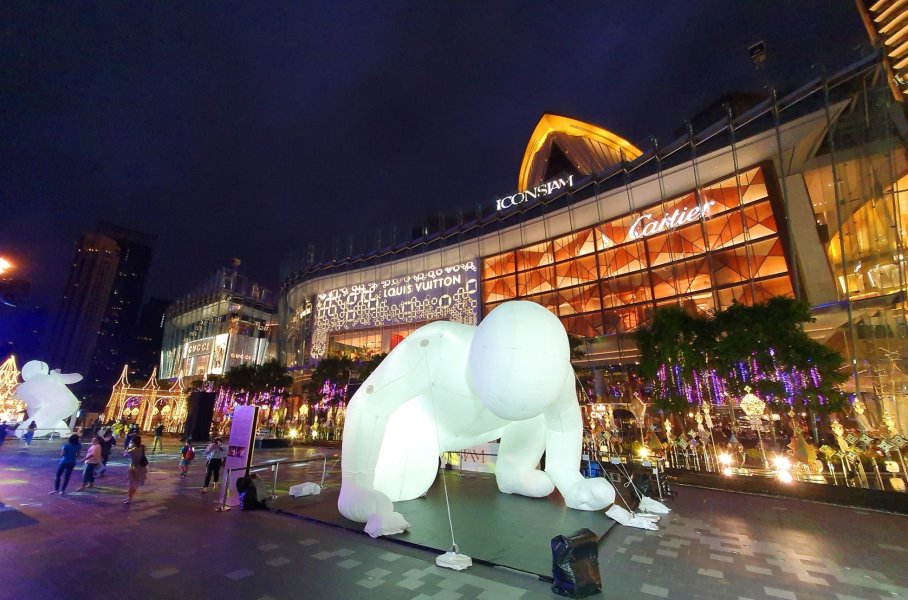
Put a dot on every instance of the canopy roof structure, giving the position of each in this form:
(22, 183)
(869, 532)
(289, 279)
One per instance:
(562, 145)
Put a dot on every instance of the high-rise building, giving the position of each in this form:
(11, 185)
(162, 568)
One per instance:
(145, 352)
(95, 326)
(71, 341)
(117, 331)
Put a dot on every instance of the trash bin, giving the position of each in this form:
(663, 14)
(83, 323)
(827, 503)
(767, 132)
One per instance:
(575, 564)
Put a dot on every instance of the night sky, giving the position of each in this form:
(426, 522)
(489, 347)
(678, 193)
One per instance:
(249, 129)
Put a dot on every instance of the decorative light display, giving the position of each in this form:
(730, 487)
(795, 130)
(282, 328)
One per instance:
(149, 404)
(11, 407)
(752, 406)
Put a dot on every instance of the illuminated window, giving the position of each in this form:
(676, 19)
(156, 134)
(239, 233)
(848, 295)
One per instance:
(695, 250)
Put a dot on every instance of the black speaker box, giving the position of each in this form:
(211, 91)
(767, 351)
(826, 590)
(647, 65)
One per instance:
(200, 409)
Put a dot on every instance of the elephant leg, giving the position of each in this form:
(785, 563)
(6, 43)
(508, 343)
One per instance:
(408, 459)
(517, 468)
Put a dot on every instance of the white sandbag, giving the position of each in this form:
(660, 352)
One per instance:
(305, 489)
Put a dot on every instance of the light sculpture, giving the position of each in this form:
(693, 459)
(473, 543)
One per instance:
(753, 407)
(47, 399)
(450, 386)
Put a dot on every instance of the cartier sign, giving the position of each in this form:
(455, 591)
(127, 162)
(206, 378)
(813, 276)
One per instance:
(646, 224)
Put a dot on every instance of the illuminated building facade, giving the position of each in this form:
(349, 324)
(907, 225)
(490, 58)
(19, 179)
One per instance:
(801, 196)
(147, 405)
(228, 321)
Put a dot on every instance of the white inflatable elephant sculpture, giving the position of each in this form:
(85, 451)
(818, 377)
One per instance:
(449, 386)
(47, 399)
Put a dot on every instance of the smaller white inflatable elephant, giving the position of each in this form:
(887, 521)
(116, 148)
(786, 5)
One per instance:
(47, 399)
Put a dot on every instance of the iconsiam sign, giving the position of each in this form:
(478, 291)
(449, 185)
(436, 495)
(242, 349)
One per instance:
(540, 191)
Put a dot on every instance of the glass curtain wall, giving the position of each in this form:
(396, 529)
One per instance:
(860, 197)
(604, 280)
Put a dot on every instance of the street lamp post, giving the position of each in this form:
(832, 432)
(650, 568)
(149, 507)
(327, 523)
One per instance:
(753, 407)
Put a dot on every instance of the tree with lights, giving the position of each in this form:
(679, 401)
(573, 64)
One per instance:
(692, 359)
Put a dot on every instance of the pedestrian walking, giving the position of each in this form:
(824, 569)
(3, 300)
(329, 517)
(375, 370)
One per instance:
(30, 434)
(4, 429)
(158, 438)
(92, 461)
(214, 454)
(68, 455)
(187, 453)
(138, 466)
(107, 442)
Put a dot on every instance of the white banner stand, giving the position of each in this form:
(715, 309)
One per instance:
(239, 449)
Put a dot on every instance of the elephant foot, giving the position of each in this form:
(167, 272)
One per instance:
(628, 519)
(380, 524)
(649, 505)
(589, 494)
(532, 483)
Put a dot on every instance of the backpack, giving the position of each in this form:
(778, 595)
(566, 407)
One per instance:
(190, 453)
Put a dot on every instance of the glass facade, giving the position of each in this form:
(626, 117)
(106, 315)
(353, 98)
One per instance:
(804, 195)
(703, 250)
(228, 322)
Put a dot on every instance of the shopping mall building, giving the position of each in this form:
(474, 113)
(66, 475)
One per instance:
(227, 321)
(801, 196)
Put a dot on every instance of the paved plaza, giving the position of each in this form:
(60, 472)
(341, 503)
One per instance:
(171, 543)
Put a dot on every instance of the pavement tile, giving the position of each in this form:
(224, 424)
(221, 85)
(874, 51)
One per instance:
(389, 556)
(646, 560)
(722, 558)
(777, 593)
(711, 573)
(161, 573)
(654, 590)
(377, 572)
(410, 584)
(308, 542)
(268, 547)
(370, 583)
(343, 552)
(322, 555)
(349, 563)
(280, 561)
(239, 574)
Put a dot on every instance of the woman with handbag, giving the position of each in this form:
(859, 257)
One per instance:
(138, 466)
(215, 455)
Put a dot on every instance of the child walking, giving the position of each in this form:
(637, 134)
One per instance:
(187, 453)
(92, 460)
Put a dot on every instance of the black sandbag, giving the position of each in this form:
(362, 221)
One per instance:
(575, 564)
(641, 483)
